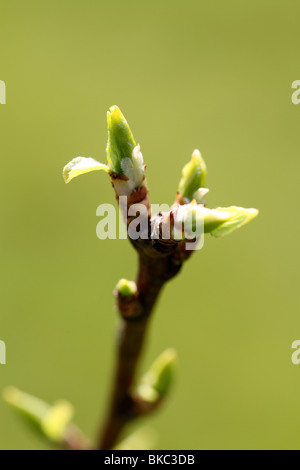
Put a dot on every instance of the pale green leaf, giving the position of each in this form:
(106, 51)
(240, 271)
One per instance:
(57, 420)
(158, 380)
(27, 405)
(51, 421)
(197, 219)
(193, 177)
(81, 165)
(239, 216)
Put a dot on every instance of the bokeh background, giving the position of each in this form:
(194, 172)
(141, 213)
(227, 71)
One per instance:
(214, 75)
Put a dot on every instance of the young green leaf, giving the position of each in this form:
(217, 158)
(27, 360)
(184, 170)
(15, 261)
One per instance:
(27, 405)
(120, 142)
(239, 216)
(124, 157)
(51, 421)
(193, 177)
(157, 382)
(81, 165)
(194, 219)
(57, 420)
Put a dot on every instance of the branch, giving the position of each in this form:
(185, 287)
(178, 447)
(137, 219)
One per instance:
(158, 263)
(161, 252)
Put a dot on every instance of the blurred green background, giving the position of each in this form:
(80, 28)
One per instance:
(214, 75)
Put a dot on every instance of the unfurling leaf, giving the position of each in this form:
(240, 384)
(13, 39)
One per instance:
(27, 405)
(192, 220)
(196, 219)
(157, 382)
(193, 178)
(56, 421)
(120, 142)
(239, 216)
(81, 165)
(124, 157)
(51, 421)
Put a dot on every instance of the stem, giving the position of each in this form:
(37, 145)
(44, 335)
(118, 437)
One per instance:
(155, 268)
(130, 347)
(75, 440)
(158, 262)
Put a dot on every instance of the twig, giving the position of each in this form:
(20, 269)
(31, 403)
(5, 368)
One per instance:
(158, 263)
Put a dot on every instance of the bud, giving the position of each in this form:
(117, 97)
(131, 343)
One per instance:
(192, 220)
(157, 382)
(128, 301)
(134, 168)
(238, 216)
(57, 420)
(124, 157)
(126, 288)
(51, 421)
(120, 142)
(193, 178)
